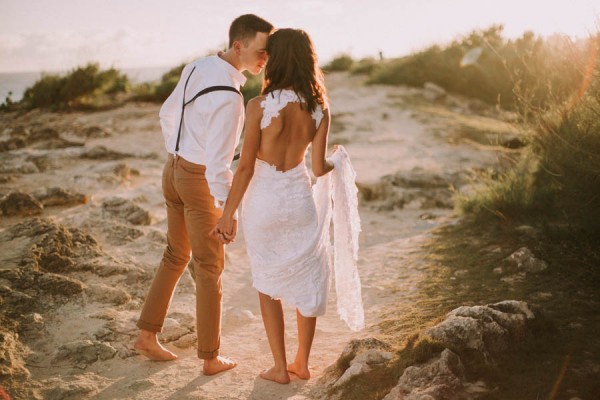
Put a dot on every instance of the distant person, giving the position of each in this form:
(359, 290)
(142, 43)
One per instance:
(285, 220)
(201, 122)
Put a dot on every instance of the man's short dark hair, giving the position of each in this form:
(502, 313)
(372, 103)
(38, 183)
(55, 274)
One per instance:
(246, 26)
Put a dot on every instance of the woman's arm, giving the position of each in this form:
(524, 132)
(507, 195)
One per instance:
(320, 166)
(245, 169)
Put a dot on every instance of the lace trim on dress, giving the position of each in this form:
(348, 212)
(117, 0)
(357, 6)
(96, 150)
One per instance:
(275, 101)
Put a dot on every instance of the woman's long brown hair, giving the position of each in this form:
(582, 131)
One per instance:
(293, 64)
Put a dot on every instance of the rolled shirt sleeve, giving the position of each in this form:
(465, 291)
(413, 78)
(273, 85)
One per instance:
(223, 130)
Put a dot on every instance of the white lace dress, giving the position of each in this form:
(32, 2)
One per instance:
(286, 228)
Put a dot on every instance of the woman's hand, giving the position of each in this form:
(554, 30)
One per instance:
(226, 230)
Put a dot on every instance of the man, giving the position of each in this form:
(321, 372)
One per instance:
(200, 137)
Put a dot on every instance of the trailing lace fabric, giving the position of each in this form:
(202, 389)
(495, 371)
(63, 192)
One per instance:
(275, 101)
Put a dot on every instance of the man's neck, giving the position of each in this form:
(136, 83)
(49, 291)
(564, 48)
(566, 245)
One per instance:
(230, 57)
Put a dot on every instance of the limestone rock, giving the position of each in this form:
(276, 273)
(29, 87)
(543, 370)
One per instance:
(525, 261)
(352, 371)
(84, 352)
(486, 330)
(372, 356)
(186, 341)
(126, 210)
(21, 204)
(57, 196)
(102, 153)
(107, 294)
(59, 284)
(440, 378)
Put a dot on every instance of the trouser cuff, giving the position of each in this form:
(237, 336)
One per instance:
(149, 327)
(208, 355)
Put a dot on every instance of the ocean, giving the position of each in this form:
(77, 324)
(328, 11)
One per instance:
(17, 82)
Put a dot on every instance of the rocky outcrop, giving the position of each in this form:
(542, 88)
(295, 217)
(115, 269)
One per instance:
(467, 338)
(58, 196)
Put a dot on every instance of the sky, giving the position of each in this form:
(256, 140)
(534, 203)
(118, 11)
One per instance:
(57, 35)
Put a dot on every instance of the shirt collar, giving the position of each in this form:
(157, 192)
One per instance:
(236, 75)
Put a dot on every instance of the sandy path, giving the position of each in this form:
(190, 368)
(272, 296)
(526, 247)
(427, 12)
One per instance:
(382, 137)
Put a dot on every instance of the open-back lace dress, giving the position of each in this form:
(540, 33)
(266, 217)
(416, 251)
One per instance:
(286, 223)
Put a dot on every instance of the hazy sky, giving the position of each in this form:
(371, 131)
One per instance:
(47, 35)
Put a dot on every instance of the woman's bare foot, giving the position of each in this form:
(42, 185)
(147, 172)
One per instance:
(217, 364)
(276, 375)
(299, 371)
(147, 344)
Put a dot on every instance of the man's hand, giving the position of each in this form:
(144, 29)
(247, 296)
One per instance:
(225, 230)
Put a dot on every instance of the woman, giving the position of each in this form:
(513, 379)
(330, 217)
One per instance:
(286, 235)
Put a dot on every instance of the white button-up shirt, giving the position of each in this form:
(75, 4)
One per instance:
(212, 124)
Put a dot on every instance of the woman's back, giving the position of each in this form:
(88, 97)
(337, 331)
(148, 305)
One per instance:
(287, 128)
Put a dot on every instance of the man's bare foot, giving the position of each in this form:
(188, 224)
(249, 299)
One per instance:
(276, 375)
(300, 372)
(217, 364)
(147, 344)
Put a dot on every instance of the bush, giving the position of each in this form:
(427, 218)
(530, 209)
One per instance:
(558, 176)
(158, 92)
(541, 69)
(342, 62)
(83, 88)
(364, 66)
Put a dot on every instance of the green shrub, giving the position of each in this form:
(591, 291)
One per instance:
(342, 62)
(364, 66)
(159, 91)
(85, 87)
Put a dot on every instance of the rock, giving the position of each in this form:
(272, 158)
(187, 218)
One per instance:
(357, 346)
(525, 261)
(72, 391)
(84, 352)
(126, 210)
(439, 378)
(12, 354)
(59, 284)
(42, 134)
(172, 330)
(57, 196)
(102, 153)
(12, 144)
(186, 341)
(95, 132)
(20, 204)
(120, 234)
(107, 294)
(486, 331)
(55, 143)
(18, 166)
(372, 356)
(433, 92)
(352, 371)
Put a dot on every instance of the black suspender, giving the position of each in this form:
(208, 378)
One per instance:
(200, 93)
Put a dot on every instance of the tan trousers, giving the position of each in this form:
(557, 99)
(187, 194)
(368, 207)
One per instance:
(191, 214)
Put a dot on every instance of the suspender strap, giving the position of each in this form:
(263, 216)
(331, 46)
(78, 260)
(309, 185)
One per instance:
(200, 93)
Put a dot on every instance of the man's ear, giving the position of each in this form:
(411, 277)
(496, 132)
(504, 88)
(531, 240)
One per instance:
(237, 47)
